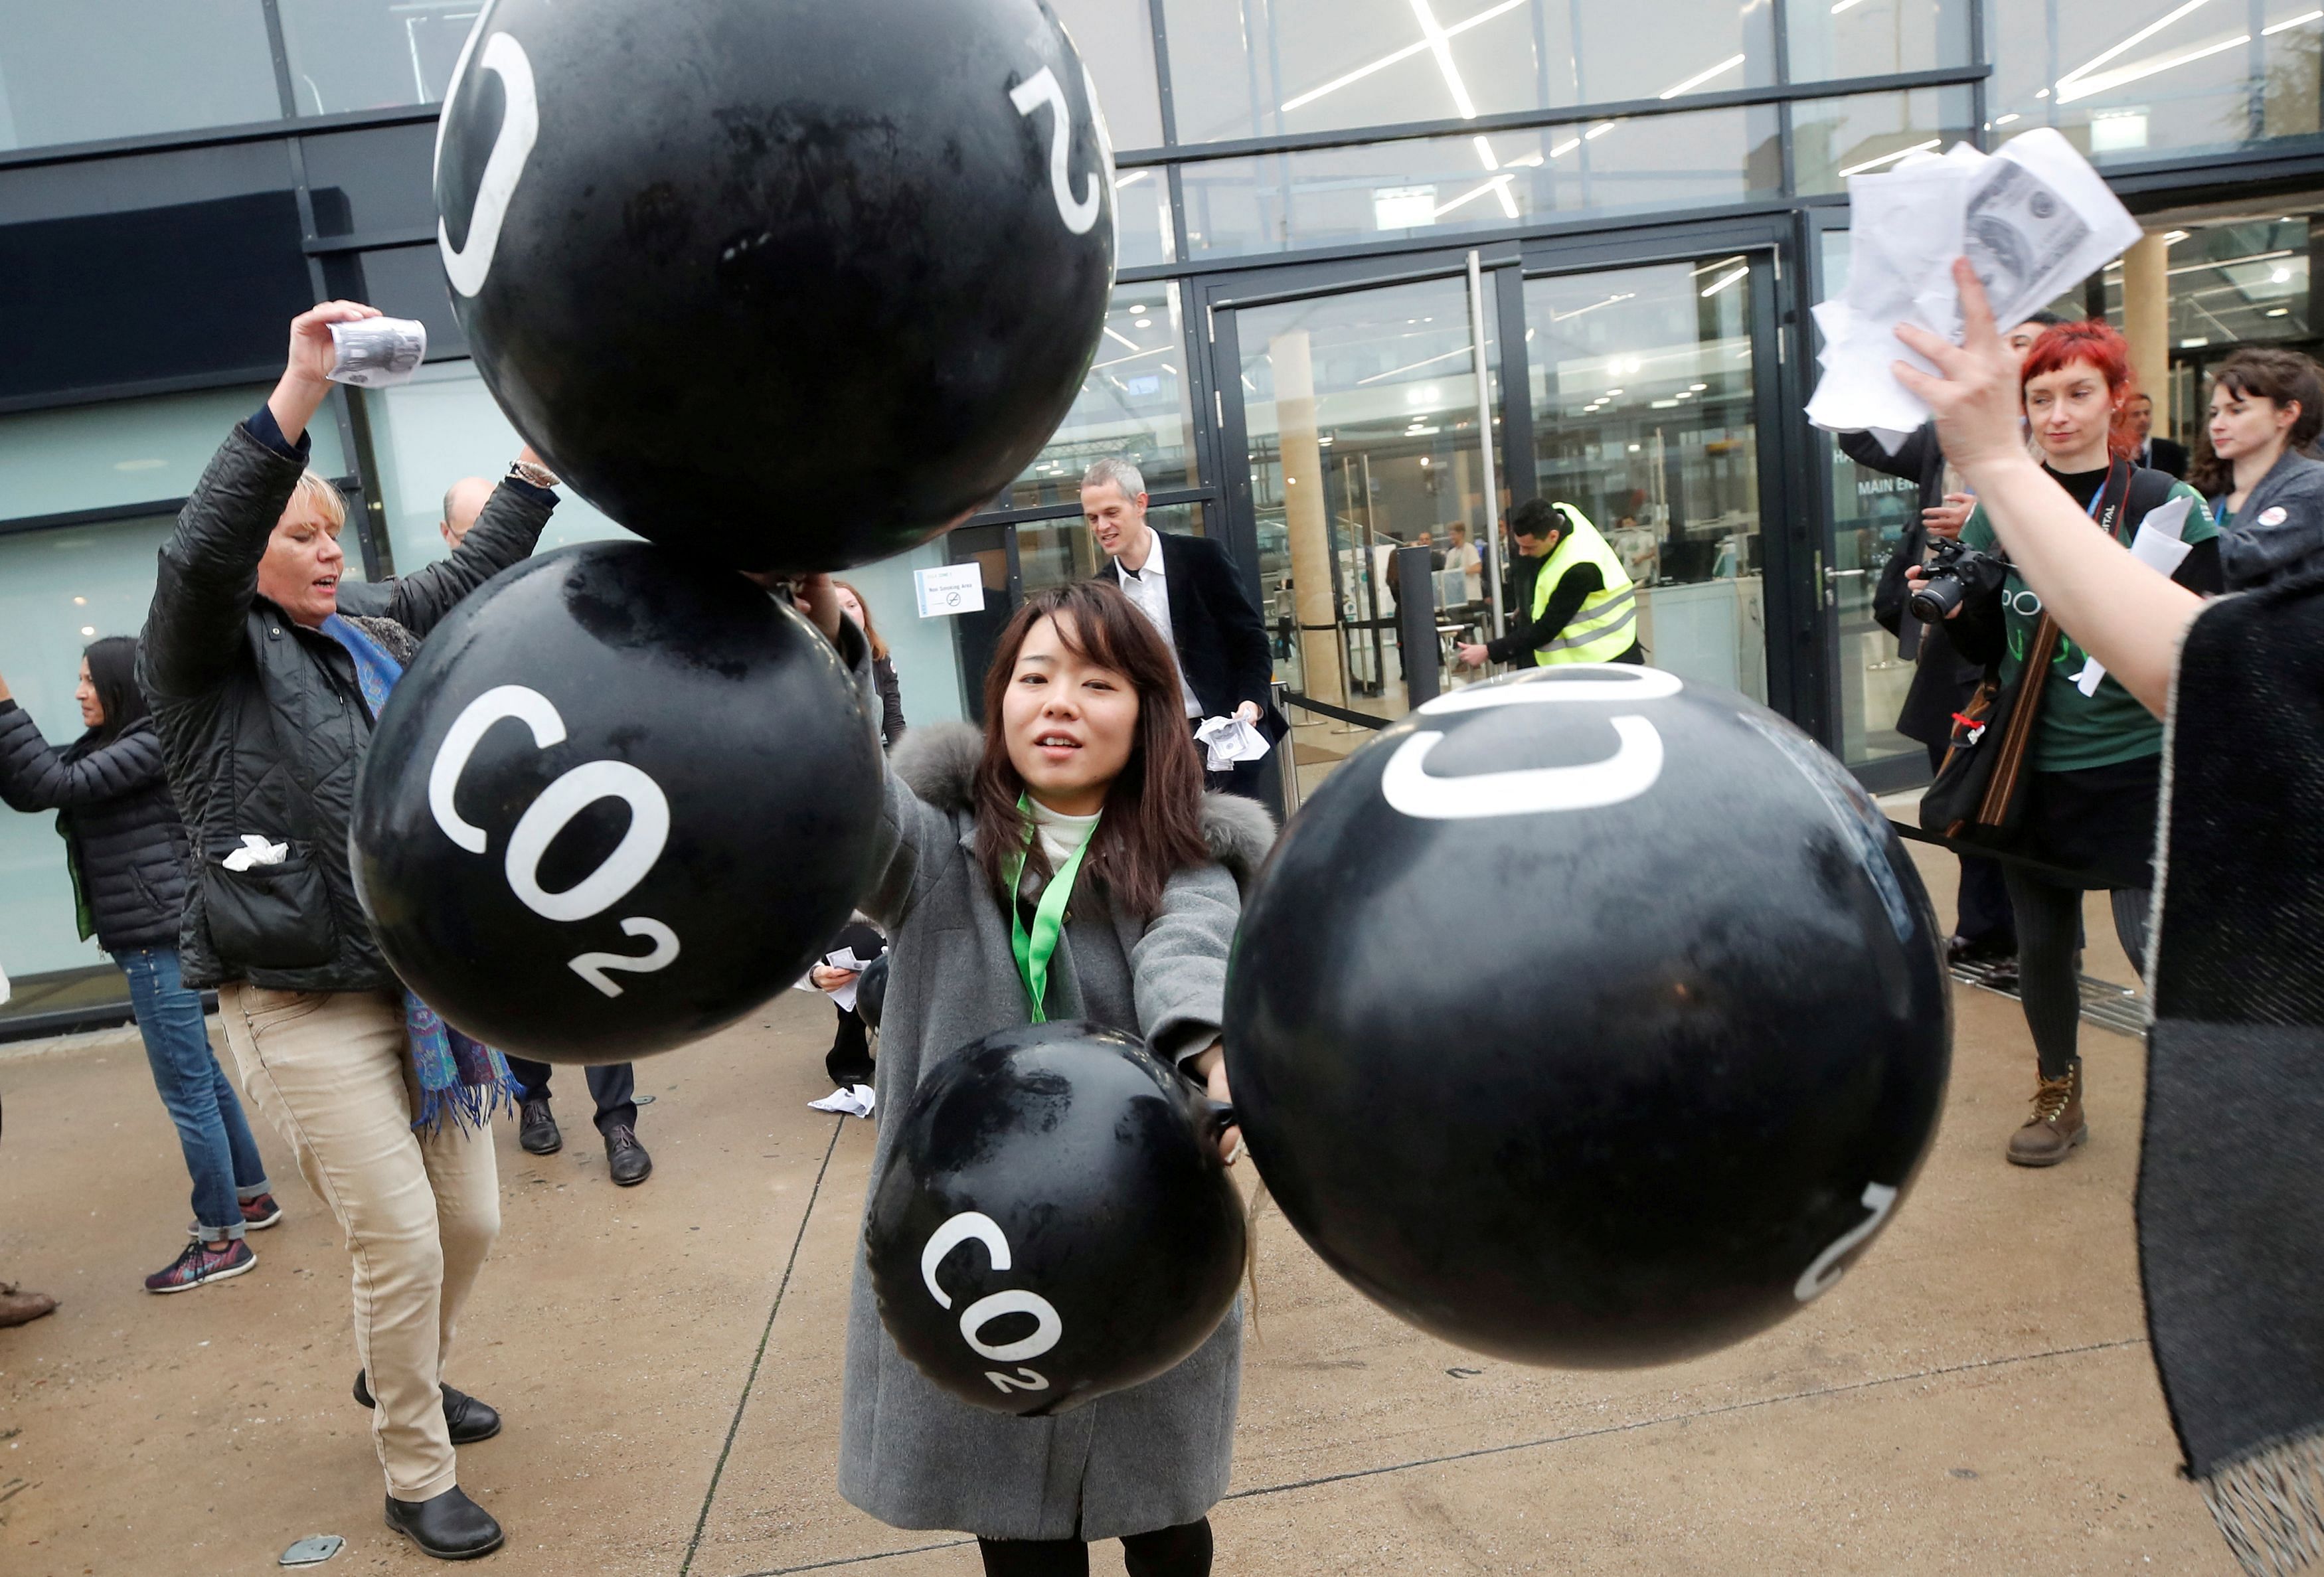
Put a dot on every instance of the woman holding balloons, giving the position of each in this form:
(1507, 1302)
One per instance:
(1082, 802)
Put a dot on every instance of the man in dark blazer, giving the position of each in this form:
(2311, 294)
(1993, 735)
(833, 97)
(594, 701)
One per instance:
(1190, 589)
(2154, 454)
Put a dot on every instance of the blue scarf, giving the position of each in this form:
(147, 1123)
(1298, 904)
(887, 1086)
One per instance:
(455, 1074)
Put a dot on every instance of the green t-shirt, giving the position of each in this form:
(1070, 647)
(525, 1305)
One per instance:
(2078, 730)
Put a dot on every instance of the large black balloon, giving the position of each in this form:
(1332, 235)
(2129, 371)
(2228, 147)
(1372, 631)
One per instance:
(1587, 1018)
(792, 283)
(665, 808)
(1053, 1222)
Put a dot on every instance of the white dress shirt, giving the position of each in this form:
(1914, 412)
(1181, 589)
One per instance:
(1149, 590)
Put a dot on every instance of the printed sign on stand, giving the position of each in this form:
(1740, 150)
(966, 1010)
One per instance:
(948, 590)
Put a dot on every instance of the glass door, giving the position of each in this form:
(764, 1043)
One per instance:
(1359, 429)
(1645, 399)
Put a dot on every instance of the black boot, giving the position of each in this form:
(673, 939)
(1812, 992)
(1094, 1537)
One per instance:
(536, 1128)
(625, 1157)
(449, 1527)
(467, 1419)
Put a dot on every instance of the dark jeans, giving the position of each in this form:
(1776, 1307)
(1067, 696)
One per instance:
(1171, 1552)
(849, 1060)
(2049, 934)
(221, 1156)
(1982, 904)
(613, 1084)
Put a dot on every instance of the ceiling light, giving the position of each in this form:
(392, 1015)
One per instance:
(1567, 146)
(1633, 449)
(2005, 120)
(80, 601)
(1130, 179)
(2281, 276)
(1424, 459)
(1597, 131)
(2277, 312)
(1718, 285)
(1890, 158)
(1143, 323)
(89, 628)
(1441, 43)
(1135, 311)
(1699, 78)
(2175, 237)
(2089, 86)
(2288, 23)
(1840, 5)
(1405, 53)
(2143, 33)
(1698, 388)
(1614, 393)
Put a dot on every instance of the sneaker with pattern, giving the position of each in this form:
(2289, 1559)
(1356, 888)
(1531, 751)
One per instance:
(259, 1214)
(202, 1263)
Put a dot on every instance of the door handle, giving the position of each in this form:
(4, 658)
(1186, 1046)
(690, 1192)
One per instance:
(1843, 574)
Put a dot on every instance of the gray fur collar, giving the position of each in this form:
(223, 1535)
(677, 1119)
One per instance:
(391, 638)
(937, 762)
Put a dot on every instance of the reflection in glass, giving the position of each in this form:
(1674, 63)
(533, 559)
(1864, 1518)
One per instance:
(2232, 281)
(1423, 187)
(2132, 79)
(128, 452)
(374, 54)
(1115, 39)
(1278, 67)
(1835, 138)
(1134, 405)
(1056, 552)
(1870, 512)
(90, 71)
(1360, 412)
(1643, 419)
(1873, 38)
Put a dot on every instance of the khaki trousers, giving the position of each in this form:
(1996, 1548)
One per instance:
(330, 1070)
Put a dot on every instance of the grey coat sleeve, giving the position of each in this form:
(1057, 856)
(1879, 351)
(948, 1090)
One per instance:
(2253, 554)
(34, 777)
(503, 535)
(1178, 964)
(913, 835)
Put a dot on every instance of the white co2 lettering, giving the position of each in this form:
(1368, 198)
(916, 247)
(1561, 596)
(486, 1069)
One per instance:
(469, 266)
(1080, 214)
(975, 1226)
(548, 816)
(1408, 785)
(1821, 1275)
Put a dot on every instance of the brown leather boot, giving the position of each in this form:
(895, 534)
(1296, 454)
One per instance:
(19, 1307)
(2055, 1126)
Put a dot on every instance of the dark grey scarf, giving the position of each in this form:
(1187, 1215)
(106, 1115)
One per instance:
(2231, 1182)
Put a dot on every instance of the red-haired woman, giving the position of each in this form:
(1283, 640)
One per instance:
(1084, 775)
(2093, 767)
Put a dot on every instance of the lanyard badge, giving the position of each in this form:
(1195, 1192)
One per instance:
(1035, 951)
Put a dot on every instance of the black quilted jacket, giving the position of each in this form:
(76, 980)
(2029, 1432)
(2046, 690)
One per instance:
(263, 724)
(121, 828)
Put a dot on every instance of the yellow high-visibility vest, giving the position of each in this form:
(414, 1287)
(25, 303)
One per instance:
(1606, 625)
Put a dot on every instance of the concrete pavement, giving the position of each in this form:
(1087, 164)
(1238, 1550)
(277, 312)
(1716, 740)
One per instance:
(1976, 1396)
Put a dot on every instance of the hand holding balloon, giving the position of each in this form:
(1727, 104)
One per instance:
(1210, 1067)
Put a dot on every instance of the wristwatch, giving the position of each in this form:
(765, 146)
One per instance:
(538, 476)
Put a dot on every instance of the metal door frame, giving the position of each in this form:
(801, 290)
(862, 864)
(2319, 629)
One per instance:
(1795, 527)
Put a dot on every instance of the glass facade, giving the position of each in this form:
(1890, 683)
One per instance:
(1656, 194)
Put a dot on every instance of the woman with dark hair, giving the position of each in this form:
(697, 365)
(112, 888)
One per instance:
(1082, 800)
(883, 670)
(2267, 407)
(2093, 767)
(126, 850)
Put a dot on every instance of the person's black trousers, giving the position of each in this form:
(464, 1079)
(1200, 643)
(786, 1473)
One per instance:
(1184, 1551)
(849, 1060)
(612, 1086)
(1982, 905)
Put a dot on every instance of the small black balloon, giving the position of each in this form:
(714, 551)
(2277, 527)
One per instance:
(618, 800)
(1678, 1048)
(792, 285)
(1053, 1222)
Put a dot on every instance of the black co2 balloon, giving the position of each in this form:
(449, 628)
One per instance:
(1053, 1222)
(1589, 1018)
(619, 800)
(790, 283)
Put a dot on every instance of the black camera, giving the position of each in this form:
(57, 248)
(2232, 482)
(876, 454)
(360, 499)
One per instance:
(1953, 572)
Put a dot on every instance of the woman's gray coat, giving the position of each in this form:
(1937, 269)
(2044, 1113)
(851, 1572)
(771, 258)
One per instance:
(1151, 1457)
(2255, 551)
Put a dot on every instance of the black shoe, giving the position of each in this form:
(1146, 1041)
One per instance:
(625, 1157)
(449, 1527)
(466, 1419)
(536, 1128)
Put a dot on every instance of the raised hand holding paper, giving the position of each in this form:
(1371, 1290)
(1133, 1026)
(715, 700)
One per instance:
(2032, 219)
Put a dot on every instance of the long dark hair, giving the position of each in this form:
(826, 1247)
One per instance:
(113, 671)
(1153, 823)
(2263, 373)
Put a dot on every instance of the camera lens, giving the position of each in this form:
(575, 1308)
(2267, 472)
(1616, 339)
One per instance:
(1937, 596)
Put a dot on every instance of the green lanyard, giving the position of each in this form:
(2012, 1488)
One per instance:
(1034, 952)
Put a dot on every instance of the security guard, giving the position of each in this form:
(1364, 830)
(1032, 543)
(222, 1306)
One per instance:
(1584, 607)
